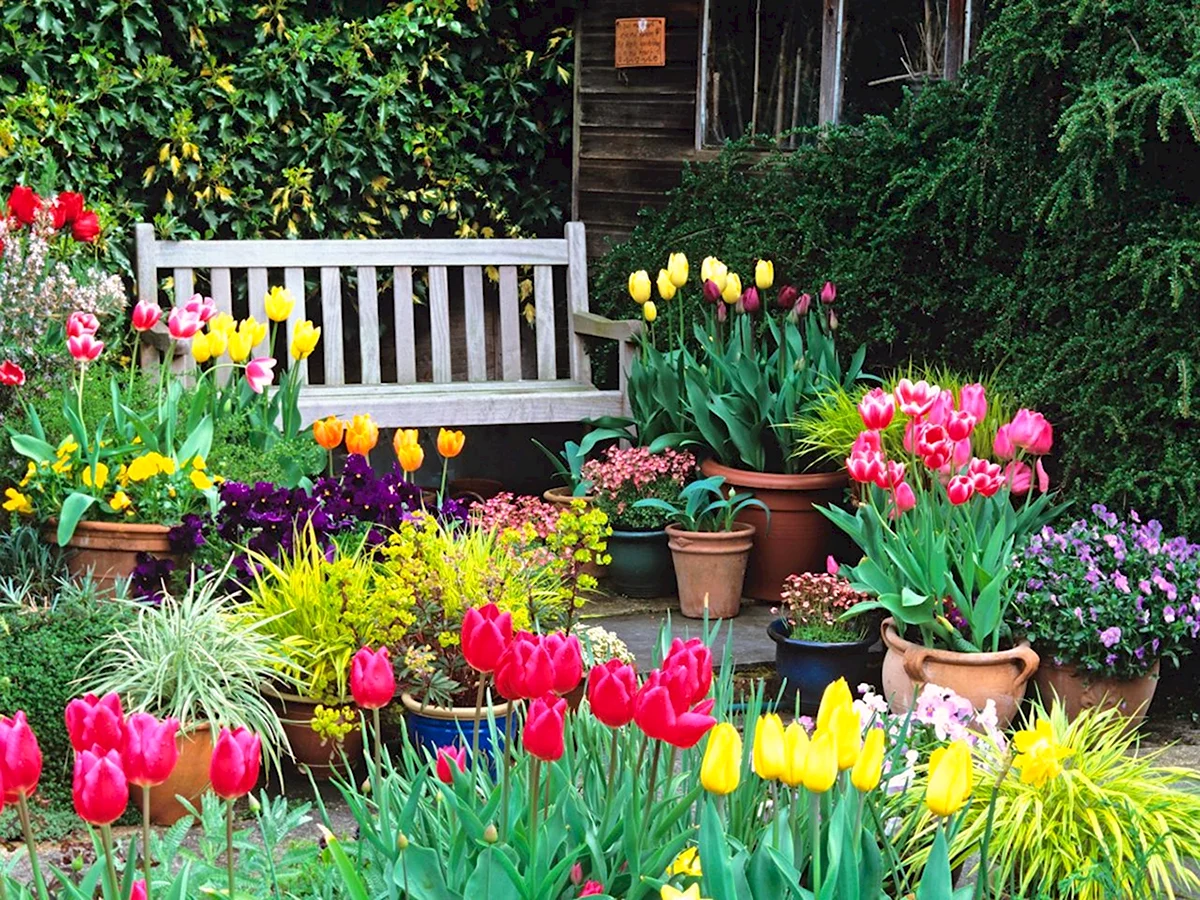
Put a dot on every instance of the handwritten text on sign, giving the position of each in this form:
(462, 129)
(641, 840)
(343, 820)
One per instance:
(641, 42)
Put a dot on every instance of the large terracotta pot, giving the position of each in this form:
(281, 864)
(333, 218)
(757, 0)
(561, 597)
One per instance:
(189, 778)
(1078, 691)
(431, 727)
(109, 550)
(710, 568)
(978, 677)
(562, 497)
(797, 539)
(323, 757)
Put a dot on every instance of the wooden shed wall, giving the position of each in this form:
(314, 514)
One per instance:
(633, 127)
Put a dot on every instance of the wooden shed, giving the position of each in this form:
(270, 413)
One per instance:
(662, 82)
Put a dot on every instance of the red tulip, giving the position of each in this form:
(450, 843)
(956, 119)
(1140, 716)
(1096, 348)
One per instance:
(543, 734)
(139, 890)
(447, 759)
(486, 633)
(828, 293)
(146, 314)
(985, 476)
(149, 752)
(99, 788)
(656, 713)
(788, 296)
(695, 656)
(525, 669)
(20, 758)
(23, 204)
(611, 688)
(81, 323)
(85, 348)
(712, 293)
(11, 374)
(877, 409)
(95, 722)
(566, 659)
(85, 227)
(69, 205)
(235, 760)
(915, 399)
(959, 489)
(372, 678)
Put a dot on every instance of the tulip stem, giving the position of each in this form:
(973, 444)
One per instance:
(815, 828)
(478, 716)
(504, 791)
(229, 844)
(109, 866)
(534, 766)
(674, 758)
(31, 846)
(612, 761)
(442, 489)
(146, 837)
(653, 776)
(378, 756)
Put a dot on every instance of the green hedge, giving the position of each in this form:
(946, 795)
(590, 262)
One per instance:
(238, 118)
(1040, 218)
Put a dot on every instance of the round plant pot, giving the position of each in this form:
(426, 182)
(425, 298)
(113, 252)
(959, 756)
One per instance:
(109, 550)
(710, 567)
(431, 727)
(798, 536)
(561, 496)
(189, 778)
(978, 677)
(808, 667)
(320, 755)
(641, 564)
(1077, 691)
(474, 489)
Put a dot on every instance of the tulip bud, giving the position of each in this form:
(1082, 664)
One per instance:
(836, 695)
(490, 834)
(821, 762)
(764, 274)
(769, 760)
(543, 733)
(576, 877)
(950, 779)
(722, 315)
(372, 678)
(486, 633)
(867, 771)
(795, 753)
(677, 268)
(77, 863)
(788, 295)
(833, 321)
(666, 287)
(712, 293)
(750, 300)
(401, 841)
(733, 288)
(236, 757)
(639, 286)
(828, 293)
(847, 730)
(649, 311)
(721, 768)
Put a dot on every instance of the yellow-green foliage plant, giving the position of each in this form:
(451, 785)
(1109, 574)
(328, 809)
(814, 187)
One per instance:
(1113, 824)
(322, 609)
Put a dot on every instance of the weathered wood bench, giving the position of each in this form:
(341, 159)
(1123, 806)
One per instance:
(469, 379)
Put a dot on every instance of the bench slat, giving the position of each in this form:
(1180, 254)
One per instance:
(406, 342)
(331, 325)
(256, 287)
(222, 293)
(473, 308)
(184, 288)
(368, 324)
(439, 323)
(510, 325)
(577, 300)
(293, 280)
(433, 252)
(543, 297)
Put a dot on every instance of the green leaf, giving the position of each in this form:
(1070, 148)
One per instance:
(491, 878)
(73, 509)
(419, 873)
(33, 448)
(718, 882)
(936, 881)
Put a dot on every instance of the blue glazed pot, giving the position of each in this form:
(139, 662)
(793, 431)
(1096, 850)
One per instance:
(807, 667)
(431, 727)
(641, 564)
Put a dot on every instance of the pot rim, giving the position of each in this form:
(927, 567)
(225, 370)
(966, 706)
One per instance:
(893, 640)
(740, 530)
(146, 528)
(638, 535)
(274, 693)
(562, 494)
(453, 713)
(775, 481)
(775, 633)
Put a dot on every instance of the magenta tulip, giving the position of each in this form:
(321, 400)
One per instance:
(828, 293)
(20, 758)
(959, 489)
(973, 399)
(1043, 477)
(149, 751)
(1002, 446)
(448, 759)
(611, 688)
(95, 722)
(99, 787)
(985, 476)
(372, 678)
(712, 293)
(1019, 477)
(486, 633)
(877, 409)
(865, 467)
(959, 425)
(236, 757)
(1030, 431)
(803, 302)
(903, 498)
(543, 733)
(750, 300)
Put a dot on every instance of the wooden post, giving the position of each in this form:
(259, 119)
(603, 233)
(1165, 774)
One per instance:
(833, 14)
(956, 29)
(147, 284)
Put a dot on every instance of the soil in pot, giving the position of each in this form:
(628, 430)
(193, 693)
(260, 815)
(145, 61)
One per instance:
(806, 668)
(109, 550)
(1078, 691)
(978, 677)
(431, 727)
(189, 778)
(799, 536)
(641, 564)
(322, 756)
(710, 568)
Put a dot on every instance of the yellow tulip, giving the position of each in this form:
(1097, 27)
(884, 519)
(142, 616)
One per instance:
(836, 694)
(706, 267)
(304, 340)
(686, 863)
(405, 437)
(847, 728)
(821, 763)
(218, 343)
(200, 351)
(769, 760)
(666, 287)
(951, 779)
(649, 311)
(712, 269)
(677, 269)
(867, 771)
(639, 286)
(450, 443)
(721, 768)
(764, 274)
(670, 892)
(279, 303)
(240, 344)
(795, 752)
(732, 292)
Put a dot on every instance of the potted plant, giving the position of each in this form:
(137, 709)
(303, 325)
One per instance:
(708, 546)
(199, 659)
(640, 563)
(568, 468)
(814, 644)
(938, 526)
(1104, 602)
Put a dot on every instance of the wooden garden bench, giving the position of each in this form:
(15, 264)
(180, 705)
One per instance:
(454, 354)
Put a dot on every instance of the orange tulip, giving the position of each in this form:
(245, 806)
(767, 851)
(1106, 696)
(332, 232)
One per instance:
(405, 437)
(361, 435)
(410, 456)
(450, 443)
(328, 432)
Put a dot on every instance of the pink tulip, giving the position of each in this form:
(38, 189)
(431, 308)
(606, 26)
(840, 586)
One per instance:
(750, 300)
(960, 424)
(985, 476)
(1002, 446)
(903, 498)
(138, 892)
(99, 788)
(260, 373)
(1019, 476)
(787, 296)
(146, 315)
(1030, 431)
(20, 758)
(372, 678)
(85, 348)
(891, 477)
(183, 323)
(1043, 477)
(149, 750)
(449, 759)
(828, 293)
(236, 758)
(95, 722)
(972, 399)
(203, 307)
(940, 411)
(802, 304)
(831, 565)
(960, 489)
(867, 442)
(81, 323)
(877, 409)
(722, 311)
(934, 446)
(865, 467)
(916, 399)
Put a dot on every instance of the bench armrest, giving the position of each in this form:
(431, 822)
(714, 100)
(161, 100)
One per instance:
(594, 325)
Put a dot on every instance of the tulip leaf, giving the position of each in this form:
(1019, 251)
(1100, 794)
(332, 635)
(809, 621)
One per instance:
(73, 509)
(33, 448)
(419, 875)
(199, 442)
(493, 877)
(937, 882)
(718, 883)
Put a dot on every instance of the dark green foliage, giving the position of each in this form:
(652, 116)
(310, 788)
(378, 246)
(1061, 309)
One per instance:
(1039, 218)
(237, 118)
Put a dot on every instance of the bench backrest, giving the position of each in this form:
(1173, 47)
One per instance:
(491, 268)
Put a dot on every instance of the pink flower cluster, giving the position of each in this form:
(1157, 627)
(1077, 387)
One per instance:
(637, 467)
(506, 511)
(817, 599)
(938, 434)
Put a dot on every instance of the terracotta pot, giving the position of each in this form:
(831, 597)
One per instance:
(1078, 691)
(431, 727)
(798, 537)
(109, 550)
(710, 568)
(978, 677)
(189, 779)
(321, 756)
(561, 496)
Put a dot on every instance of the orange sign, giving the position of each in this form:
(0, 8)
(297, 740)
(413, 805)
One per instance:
(641, 42)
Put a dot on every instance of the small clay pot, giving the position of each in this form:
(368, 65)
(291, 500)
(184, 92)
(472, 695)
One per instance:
(1078, 691)
(710, 568)
(322, 756)
(189, 778)
(109, 550)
